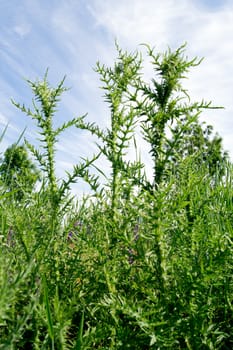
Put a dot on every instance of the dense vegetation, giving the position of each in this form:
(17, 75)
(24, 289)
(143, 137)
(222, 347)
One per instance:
(146, 260)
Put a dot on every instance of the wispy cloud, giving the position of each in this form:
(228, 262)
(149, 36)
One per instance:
(22, 29)
(3, 119)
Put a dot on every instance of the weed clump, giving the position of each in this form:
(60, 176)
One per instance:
(145, 261)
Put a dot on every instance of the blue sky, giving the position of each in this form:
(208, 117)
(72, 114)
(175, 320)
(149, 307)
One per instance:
(69, 36)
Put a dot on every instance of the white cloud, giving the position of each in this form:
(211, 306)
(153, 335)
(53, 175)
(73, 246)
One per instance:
(135, 21)
(22, 29)
(3, 119)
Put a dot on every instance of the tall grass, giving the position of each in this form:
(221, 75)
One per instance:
(147, 264)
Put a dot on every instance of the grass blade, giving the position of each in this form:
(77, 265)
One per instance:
(79, 341)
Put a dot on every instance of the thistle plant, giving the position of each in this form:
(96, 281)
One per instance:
(165, 105)
(148, 264)
(45, 104)
(118, 84)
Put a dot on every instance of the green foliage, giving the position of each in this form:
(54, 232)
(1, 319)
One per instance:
(145, 264)
(197, 139)
(18, 172)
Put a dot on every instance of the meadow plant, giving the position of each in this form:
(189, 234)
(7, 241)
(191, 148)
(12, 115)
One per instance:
(146, 264)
